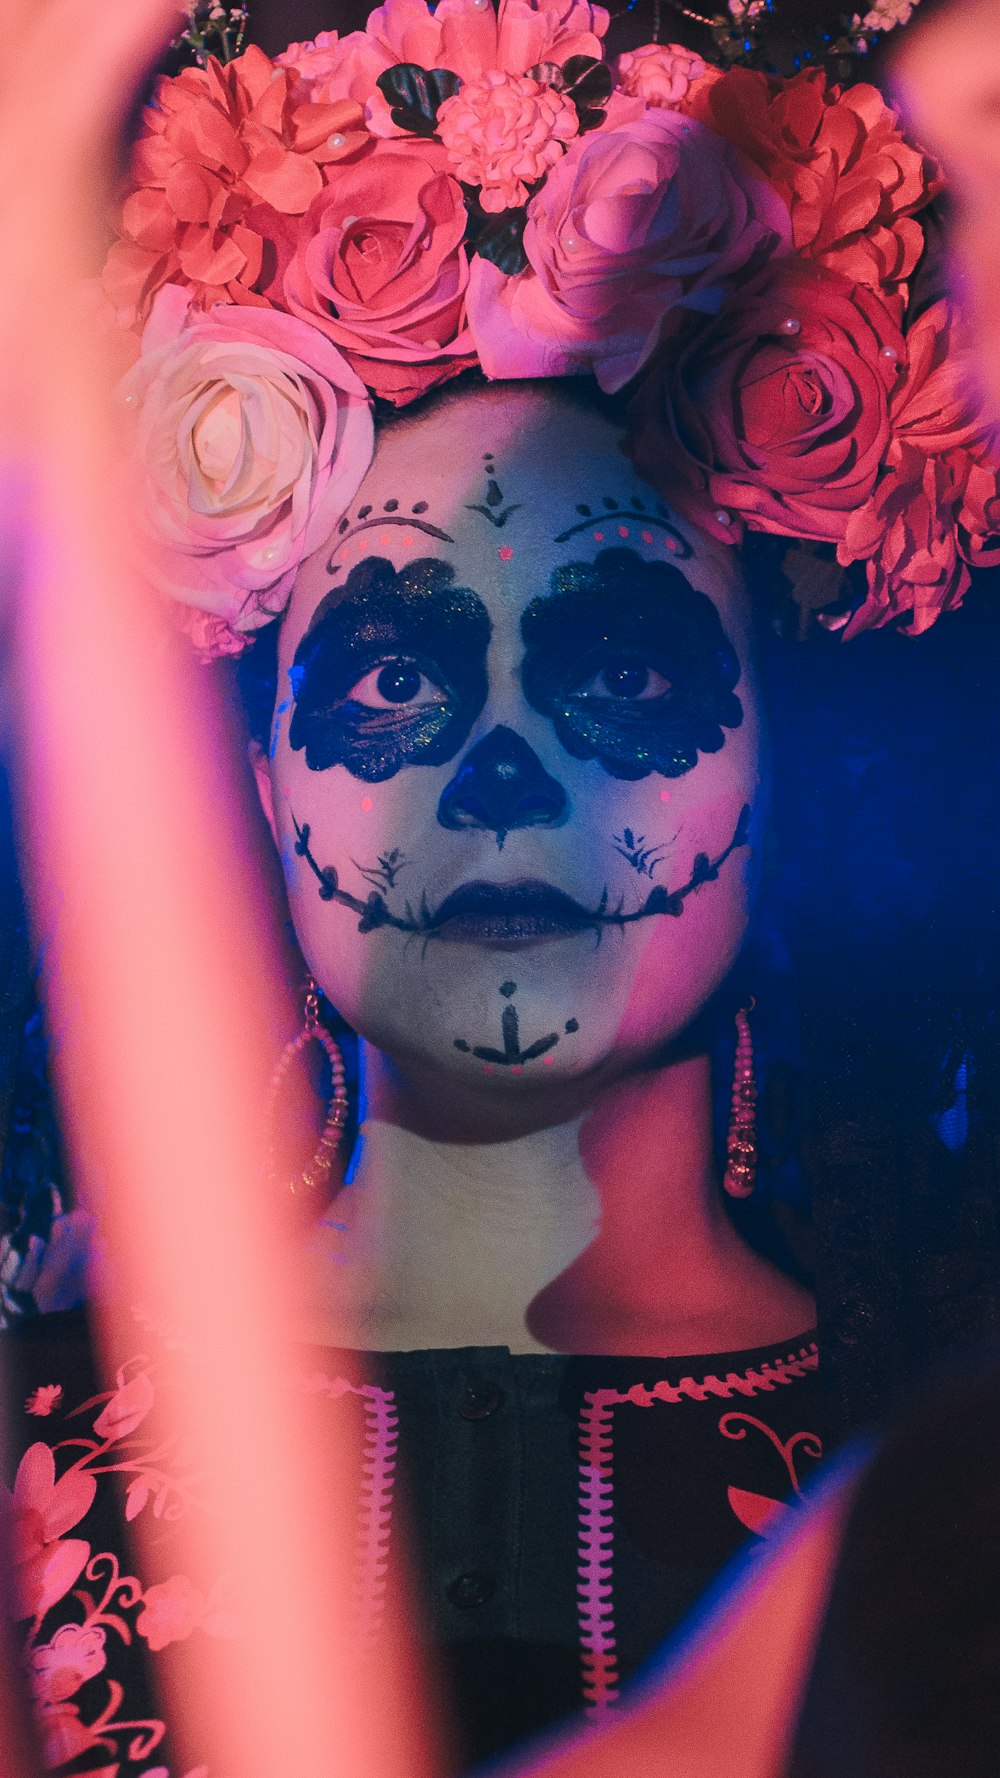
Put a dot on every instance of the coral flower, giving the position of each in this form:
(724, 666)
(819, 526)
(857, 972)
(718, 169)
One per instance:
(851, 179)
(503, 132)
(230, 158)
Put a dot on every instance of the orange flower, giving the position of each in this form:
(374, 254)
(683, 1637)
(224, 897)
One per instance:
(908, 533)
(851, 179)
(230, 158)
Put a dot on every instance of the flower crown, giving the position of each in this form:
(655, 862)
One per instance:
(740, 255)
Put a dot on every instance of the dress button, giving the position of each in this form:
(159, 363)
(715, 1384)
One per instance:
(480, 1401)
(473, 1588)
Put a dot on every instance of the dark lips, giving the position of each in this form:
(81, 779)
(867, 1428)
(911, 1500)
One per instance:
(508, 915)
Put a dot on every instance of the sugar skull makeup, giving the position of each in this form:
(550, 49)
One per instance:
(466, 783)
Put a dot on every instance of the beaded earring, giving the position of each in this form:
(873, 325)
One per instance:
(741, 1142)
(317, 1172)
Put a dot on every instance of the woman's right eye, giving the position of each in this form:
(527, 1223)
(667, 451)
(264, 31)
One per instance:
(396, 685)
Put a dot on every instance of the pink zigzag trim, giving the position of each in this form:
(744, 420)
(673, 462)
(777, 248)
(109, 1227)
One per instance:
(378, 1466)
(596, 1541)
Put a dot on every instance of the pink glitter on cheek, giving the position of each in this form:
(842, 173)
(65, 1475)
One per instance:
(505, 552)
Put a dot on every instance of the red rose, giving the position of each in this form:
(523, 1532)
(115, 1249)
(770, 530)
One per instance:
(775, 413)
(849, 176)
(382, 269)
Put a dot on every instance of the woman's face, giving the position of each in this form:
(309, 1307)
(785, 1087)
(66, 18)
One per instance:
(514, 753)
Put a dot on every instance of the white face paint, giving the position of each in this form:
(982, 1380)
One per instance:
(517, 693)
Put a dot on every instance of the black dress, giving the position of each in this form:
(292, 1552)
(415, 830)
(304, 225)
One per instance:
(565, 1515)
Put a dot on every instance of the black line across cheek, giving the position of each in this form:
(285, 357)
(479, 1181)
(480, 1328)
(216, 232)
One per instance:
(414, 612)
(621, 605)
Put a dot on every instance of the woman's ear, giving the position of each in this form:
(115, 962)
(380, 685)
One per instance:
(260, 765)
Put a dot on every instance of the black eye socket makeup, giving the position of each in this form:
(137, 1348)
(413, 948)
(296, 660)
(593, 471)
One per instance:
(631, 665)
(392, 670)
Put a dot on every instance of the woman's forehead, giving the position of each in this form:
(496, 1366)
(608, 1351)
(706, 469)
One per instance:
(506, 486)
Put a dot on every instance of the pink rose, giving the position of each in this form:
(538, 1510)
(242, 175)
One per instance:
(253, 435)
(334, 68)
(381, 269)
(659, 73)
(503, 132)
(638, 222)
(777, 413)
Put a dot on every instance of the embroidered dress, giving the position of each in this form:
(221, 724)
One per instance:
(566, 1513)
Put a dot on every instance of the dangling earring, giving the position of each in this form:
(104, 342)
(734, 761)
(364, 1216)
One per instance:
(741, 1142)
(319, 1167)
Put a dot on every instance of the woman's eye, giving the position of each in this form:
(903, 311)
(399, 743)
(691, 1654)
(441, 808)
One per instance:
(394, 685)
(627, 680)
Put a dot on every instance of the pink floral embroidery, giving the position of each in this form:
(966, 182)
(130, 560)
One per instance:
(596, 1540)
(170, 1612)
(60, 1667)
(760, 1513)
(44, 1400)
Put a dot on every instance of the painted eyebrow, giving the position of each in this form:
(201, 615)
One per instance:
(379, 523)
(637, 518)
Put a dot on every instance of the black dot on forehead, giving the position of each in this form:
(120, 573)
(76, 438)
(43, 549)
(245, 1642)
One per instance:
(390, 506)
(585, 512)
(612, 505)
(421, 506)
(363, 511)
(342, 527)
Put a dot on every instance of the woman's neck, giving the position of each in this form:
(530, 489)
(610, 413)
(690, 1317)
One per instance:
(603, 1233)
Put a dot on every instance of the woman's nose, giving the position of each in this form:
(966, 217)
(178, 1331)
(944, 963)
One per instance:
(501, 785)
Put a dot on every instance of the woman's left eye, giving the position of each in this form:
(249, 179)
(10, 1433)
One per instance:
(394, 685)
(627, 681)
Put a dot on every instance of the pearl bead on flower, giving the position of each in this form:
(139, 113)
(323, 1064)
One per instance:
(335, 141)
(890, 353)
(570, 243)
(722, 517)
(790, 326)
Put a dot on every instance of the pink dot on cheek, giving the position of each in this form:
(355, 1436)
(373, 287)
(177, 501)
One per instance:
(366, 805)
(548, 1061)
(407, 542)
(647, 537)
(505, 552)
(664, 796)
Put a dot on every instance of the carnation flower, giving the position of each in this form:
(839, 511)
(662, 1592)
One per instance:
(381, 268)
(503, 132)
(850, 178)
(636, 224)
(253, 435)
(777, 414)
(660, 73)
(230, 158)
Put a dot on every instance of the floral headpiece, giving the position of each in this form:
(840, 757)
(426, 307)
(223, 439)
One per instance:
(741, 255)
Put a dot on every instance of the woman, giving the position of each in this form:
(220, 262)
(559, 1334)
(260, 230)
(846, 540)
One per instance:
(510, 756)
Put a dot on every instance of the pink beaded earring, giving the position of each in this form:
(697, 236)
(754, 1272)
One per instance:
(741, 1142)
(318, 1169)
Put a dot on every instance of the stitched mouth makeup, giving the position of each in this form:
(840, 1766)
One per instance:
(509, 916)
